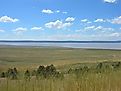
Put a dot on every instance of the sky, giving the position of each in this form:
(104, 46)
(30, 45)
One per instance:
(61, 20)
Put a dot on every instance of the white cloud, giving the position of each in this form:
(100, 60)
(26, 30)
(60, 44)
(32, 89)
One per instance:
(85, 21)
(70, 19)
(103, 28)
(67, 24)
(110, 1)
(116, 20)
(57, 11)
(8, 19)
(115, 34)
(37, 28)
(20, 30)
(57, 25)
(98, 28)
(64, 12)
(90, 27)
(1, 30)
(99, 20)
(47, 11)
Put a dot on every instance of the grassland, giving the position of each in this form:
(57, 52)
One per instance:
(26, 57)
(63, 59)
(90, 82)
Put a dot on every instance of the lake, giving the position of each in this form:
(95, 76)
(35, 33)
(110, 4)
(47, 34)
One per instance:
(69, 44)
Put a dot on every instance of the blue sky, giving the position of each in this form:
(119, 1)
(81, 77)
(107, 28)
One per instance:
(60, 19)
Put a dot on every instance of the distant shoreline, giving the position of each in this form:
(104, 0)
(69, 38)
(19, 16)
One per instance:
(29, 41)
(19, 46)
(113, 45)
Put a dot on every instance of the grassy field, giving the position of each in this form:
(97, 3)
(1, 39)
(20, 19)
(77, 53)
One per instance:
(90, 82)
(107, 78)
(26, 57)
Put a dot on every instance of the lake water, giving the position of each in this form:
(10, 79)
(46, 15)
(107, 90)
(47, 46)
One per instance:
(69, 45)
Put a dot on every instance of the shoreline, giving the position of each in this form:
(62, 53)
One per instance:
(52, 41)
(59, 47)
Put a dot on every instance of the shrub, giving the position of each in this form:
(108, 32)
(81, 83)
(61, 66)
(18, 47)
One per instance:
(2, 75)
(40, 71)
(11, 73)
(116, 64)
(27, 75)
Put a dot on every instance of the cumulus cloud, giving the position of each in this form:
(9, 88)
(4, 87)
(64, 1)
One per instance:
(115, 34)
(98, 28)
(99, 20)
(116, 20)
(8, 19)
(1, 30)
(20, 30)
(85, 21)
(70, 19)
(37, 28)
(104, 28)
(47, 11)
(110, 1)
(67, 24)
(57, 24)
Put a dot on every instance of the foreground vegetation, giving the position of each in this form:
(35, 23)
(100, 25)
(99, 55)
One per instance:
(70, 69)
(103, 76)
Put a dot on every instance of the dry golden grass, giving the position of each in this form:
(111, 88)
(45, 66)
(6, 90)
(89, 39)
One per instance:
(90, 82)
